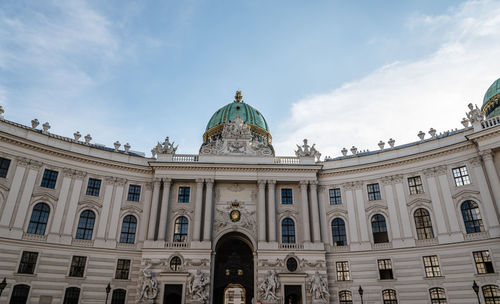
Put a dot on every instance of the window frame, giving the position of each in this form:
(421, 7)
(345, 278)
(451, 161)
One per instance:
(345, 293)
(493, 289)
(336, 198)
(392, 293)
(38, 223)
(415, 185)
(438, 300)
(121, 270)
(29, 264)
(459, 177)
(385, 270)
(71, 265)
(486, 262)
(93, 189)
(343, 273)
(286, 196)
(182, 197)
(179, 235)
(128, 236)
(49, 179)
(423, 224)
(175, 267)
(134, 196)
(85, 228)
(373, 191)
(377, 236)
(432, 268)
(4, 167)
(25, 296)
(471, 217)
(289, 237)
(114, 300)
(66, 300)
(341, 237)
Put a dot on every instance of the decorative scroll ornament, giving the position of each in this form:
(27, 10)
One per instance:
(307, 151)
(148, 285)
(318, 286)
(269, 287)
(236, 139)
(198, 286)
(166, 147)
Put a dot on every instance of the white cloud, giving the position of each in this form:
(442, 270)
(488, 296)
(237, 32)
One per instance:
(402, 98)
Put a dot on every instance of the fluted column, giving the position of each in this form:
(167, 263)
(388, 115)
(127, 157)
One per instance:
(491, 172)
(261, 212)
(305, 211)
(143, 230)
(154, 208)
(162, 228)
(314, 211)
(271, 210)
(209, 211)
(23, 204)
(325, 236)
(198, 210)
(17, 182)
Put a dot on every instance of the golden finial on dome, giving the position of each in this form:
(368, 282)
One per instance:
(238, 97)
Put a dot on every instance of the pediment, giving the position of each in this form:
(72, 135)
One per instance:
(418, 201)
(375, 206)
(132, 208)
(337, 211)
(44, 196)
(466, 192)
(90, 202)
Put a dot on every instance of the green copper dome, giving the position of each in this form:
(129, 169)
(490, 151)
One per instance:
(248, 114)
(491, 101)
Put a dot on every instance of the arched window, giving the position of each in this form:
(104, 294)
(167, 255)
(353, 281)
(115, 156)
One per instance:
(85, 225)
(118, 296)
(338, 232)
(180, 229)
(175, 263)
(438, 296)
(472, 217)
(491, 294)
(39, 219)
(423, 224)
(128, 229)
(71, 295)
(379, 229)
(389, 296)
(287, 231)
(20, 294)
(345, 297)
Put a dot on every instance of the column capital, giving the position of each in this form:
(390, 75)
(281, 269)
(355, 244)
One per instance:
(475, 161)
(429, 172)
(486, 154)
(261, 183)
(271, 183)
(387, 181)
(303, 183)
(357, 185)
(79, 174)
(167, 180)
(109, 180)
(156, 182)
(313, 185)
(148, 186)
(323, 188)
(209, 181)
(199, 181)
(121, 181)
(441, 170)
(67, 172)
(35, 165)
(22, 162)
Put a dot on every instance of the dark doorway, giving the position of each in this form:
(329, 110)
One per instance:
(173, 294)
(233, 266)
(293, 294)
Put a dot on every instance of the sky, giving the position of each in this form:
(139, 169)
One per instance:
(339, 73)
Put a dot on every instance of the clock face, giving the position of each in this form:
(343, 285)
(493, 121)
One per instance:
(235, 215)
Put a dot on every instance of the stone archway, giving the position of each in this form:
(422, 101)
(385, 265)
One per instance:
(234, 266)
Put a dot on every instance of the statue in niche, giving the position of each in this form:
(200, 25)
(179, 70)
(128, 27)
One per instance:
(319, 288)
(198, 287)
(149, 285)
(269, 287)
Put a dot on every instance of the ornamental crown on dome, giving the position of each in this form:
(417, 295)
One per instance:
(238, 97)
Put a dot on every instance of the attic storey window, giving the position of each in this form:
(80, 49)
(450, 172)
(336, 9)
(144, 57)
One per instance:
(49, 179)
(4, 166)
(93, 187)
(373, 192)
(184, 194)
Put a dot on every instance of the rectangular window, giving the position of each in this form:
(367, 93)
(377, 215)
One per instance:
(373, 192)
(483, 262)
(4, 166)
(385, 269)
(342, 271)
(28, 262)
(93, 187)
(461, 176)
(184, 194)
(431, 265)
(134, 193)
(122, 269)
(335, 197)
(415, 184)
(49, 179)
(286, 196)
(77, 268)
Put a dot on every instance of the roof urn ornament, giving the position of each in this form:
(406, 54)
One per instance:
(421, 135)
(381, 145)
(126, 147)
(34, 123)
(432, 132)
(354, 150)
(465, 122)
(88, 138)
(45, 127)
(391, 142)
(77, 135)
(344, 151)
(307, 151)
(117, 145)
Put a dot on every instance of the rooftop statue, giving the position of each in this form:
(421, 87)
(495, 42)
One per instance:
(474, 115)
(307, 151)
(166, 147)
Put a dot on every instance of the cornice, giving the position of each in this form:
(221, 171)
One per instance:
(195, 166)
(400, 161)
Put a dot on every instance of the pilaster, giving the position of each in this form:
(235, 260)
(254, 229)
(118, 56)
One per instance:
(198, 210)
(154, 206)
(261, 211)
(313, 185)
(162, 226)
(271, 210)
(17, 182)
(305, 211)
(209, 211)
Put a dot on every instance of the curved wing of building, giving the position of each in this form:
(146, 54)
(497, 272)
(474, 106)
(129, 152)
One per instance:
(416, 223)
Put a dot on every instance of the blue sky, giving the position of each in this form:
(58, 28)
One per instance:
(340, 73)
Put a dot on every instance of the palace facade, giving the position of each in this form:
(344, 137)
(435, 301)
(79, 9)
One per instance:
(416, 223)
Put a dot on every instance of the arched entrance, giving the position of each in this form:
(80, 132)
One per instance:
(233, 270)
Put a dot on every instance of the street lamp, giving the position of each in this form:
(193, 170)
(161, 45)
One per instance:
(476, 290)
(360, 291)
(108, 289)
(3, 285)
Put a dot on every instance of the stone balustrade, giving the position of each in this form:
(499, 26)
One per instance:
(287, 160)
(489, 123)
(185, 158)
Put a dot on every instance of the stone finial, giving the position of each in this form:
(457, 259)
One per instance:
(432, 132)
(344, 151)
(391, 142)
(45, 127)
(126, 147)
(354, 150)
(381, 145)
(88, 138)
(421, 135)
(465, 122)
(117, 145)
(77, 135)
(34, 123)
